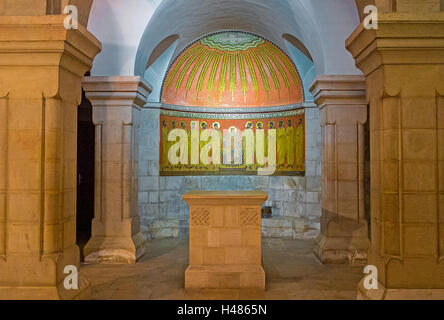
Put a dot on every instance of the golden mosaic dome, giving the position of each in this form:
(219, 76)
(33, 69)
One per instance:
(232, 69)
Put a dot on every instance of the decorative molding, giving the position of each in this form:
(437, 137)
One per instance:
(249, 217)
(232, 109)
(200, 217)
(48, 35)
(117, 91)
(194, 115)
(340, 90)
(420, 39)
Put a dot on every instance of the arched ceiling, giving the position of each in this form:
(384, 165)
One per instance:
(232, 69)
(193, 19)
(129, 31)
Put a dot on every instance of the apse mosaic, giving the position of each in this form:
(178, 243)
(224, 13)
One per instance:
(232, 69)
(270, 143)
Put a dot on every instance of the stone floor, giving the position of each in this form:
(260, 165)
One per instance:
(291, 269)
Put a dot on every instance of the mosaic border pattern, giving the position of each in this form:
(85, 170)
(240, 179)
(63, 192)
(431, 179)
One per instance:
(234, 110)
(229, 116)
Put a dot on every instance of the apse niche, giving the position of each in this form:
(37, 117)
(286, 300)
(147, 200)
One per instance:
(233, 113)
(232, 106)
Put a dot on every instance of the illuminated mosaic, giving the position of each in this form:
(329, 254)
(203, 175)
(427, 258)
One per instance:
(232, 69)
(212, 144)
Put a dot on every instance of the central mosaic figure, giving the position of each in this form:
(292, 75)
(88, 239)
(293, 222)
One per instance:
(232, 105)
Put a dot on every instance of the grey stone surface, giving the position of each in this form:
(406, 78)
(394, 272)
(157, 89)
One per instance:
(295, 200)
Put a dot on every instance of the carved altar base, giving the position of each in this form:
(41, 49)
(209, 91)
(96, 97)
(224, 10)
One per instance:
(225, 240)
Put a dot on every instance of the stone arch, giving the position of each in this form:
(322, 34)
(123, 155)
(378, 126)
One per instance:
(298, 44)
(161, 48)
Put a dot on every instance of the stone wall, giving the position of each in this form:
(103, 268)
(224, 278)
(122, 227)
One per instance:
(295, 200)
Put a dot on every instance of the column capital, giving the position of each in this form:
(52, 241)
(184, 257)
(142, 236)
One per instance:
(339, 90)
(401, 39)
(117, 91)
(43, 41)
(340, 98)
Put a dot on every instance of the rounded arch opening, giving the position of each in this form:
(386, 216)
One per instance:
(232, 68)
(161, 48)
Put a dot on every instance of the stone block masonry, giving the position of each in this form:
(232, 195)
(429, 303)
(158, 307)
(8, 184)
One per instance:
(295, 200)
(225, 240)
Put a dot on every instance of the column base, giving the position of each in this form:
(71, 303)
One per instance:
(383, 293)
(341, 250)
(225, 277)
(47, 292)
(108, 249)
(342, 240)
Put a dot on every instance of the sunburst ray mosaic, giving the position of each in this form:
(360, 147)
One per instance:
(232, 69)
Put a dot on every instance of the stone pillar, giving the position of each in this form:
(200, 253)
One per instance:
(403, 61)
(225, 240)
(343, 113)
(41, 67)
(116, 102)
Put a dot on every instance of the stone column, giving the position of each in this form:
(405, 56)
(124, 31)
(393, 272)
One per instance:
(116, 102)
(403, 61)
(41, 67)
(343, 113)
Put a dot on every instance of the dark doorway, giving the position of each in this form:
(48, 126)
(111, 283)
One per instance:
(85, 173)
(367, 185)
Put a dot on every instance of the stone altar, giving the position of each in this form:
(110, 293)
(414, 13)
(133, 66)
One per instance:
(225, 240)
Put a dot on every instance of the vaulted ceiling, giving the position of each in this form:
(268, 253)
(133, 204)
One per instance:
(131, 33)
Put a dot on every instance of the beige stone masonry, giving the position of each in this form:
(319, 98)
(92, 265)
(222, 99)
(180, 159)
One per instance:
(343, 114)
(403, 61)
(116, 235)
(41, 67)
(225, 240)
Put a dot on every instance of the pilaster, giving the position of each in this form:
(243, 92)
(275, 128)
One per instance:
(116, 101)
(343, 114)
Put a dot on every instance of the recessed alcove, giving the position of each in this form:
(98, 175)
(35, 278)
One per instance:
(232, 80)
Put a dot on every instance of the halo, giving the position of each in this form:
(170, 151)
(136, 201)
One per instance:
(271, 122)
(218, 124)
(173, 123)
(260, 122)
(202, 123)
(183, 122)
(249, 122)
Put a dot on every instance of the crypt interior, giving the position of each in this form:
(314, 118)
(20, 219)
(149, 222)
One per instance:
(222, 149)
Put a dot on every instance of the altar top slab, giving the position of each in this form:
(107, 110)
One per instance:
(225, 194)
(226, 197)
